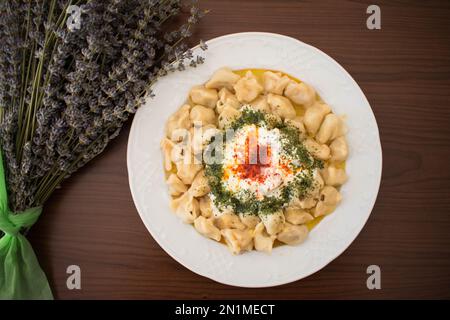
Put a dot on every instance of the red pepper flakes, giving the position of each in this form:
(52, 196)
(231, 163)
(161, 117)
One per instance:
(254, 171)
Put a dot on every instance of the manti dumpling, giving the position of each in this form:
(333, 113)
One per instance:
(260, 104)
(205, 206)
(275, 82)
(201, 136)
(247, 88)
(319, 151)
(226, 98)
(250, 220)
(238, 240)
(331, 128)
(334, 176)
(202, 115)
(186, 207)
(167, 148)
(314, 116)
(179, 120)
(306, 202)
(227, 116)
(328, 200)
(339, 149)
(224, 77)
(281, 106)
(203, 96)
(176, 186)
(229, 221)
(317, 184)
(199, 186)
(207, 228)
(187, 169)
(262, 240)
(300, 93)
(297, 215)
(274, 222)
(298, 123)
(174, 152)
(292, 234)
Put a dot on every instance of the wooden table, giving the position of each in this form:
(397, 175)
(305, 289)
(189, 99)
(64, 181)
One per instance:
(404, 70)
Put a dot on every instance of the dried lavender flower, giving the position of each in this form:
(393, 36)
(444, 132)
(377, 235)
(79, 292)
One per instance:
(65, 94)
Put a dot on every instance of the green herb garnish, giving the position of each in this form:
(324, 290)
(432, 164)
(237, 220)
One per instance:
(292, 147)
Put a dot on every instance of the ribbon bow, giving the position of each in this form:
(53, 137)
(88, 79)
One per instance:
(21, 277)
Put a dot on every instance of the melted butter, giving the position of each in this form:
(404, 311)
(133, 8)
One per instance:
(314, 222)
(173, 170)
(340, 165)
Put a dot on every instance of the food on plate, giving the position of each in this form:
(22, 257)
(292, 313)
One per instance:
(254, 159)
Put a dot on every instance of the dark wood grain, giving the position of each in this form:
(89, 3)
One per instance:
(404, 70)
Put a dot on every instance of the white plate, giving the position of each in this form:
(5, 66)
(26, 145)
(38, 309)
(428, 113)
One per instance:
(286, 263)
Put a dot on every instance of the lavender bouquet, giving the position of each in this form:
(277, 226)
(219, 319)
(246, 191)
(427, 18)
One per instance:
(71, 73)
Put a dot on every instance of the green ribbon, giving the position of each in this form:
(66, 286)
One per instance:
(21, 276)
